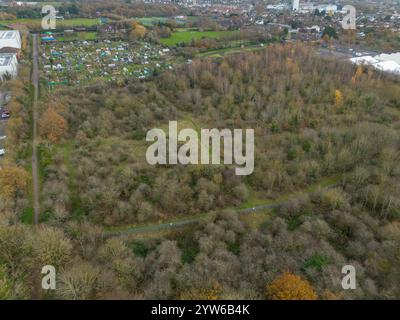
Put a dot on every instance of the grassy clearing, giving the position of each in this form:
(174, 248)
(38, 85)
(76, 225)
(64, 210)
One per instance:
(154, 227)
(236, 50)
(256, 219)
(79, 22)
(151, 21)
(188, 35)
(27, 216)
(66, 150)
(255, 199)
(79, 36)
(219, 53)
(259, 218)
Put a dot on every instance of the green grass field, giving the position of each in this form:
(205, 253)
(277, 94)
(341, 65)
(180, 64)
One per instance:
(187, 36)
(219, 53)
(151, 21)
(81, 36)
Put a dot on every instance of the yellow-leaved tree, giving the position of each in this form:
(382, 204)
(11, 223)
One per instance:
(52, 126)
(338, 98)
(13, 179)
(290, 287)
(357, 75)
(138, 31)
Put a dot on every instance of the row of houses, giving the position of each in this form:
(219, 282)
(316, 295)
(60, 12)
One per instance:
(10, 48)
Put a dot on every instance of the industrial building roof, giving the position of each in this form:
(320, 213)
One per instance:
(10, 38)
(10, 34)
(383, 62)
(5, 59)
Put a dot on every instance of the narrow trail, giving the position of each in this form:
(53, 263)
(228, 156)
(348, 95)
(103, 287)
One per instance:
(172, 225)
(193, 220)
(35, 170)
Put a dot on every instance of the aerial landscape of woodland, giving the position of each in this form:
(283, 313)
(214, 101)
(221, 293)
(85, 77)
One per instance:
(77, 192)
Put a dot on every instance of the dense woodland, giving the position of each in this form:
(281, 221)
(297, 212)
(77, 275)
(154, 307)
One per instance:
(316, 120)
(117, 9)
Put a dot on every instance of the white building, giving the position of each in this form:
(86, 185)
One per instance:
(309, 7)
(8, 65)
(296, 5)
(389, 57)
(278, 7)
(328, 8)
(383, 62)
(10, 39)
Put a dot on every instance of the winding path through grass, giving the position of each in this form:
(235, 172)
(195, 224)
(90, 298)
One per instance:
(246, 209)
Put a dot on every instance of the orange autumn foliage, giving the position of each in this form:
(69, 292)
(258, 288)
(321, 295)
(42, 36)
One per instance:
(138, 31)
(290, 287)
(357, 76)
(52, 126)
(338, 98)
(13, 179)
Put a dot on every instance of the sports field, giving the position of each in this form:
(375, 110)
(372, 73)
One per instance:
(151, 21)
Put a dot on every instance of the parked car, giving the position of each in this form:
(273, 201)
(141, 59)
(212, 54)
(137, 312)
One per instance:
(2, 152)
(5, 114)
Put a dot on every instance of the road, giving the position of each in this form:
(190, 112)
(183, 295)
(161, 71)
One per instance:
(35, 170)
(2, 128)
(344, 53)
(2, 134)
(4, 99)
